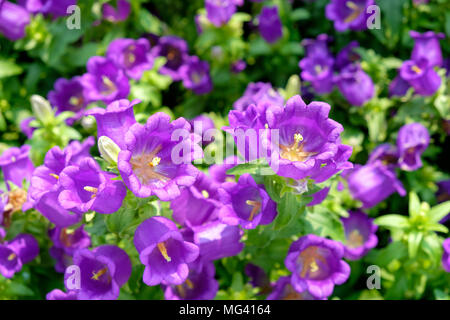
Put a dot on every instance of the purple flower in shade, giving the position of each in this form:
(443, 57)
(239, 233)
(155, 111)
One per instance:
(359, 234)
(57, 8)
(219, 12)
(196, 204)
(116, 15)
(13, 20)
(270, 26)
(316, 265)
(257, 93)
(319, 71)
(398, 87)
(105, 81)
(199, 285)
(103, 271)
(412, 140)
(318, 46)
(446, 255)
(195, 76)
(85, 187)
(57, 294)
(443, 194)
(201, 125)
(16, 165)
(421, 76)
(163, 252)
(26, 128)
(15, 253)
(309, 143)
(217, 240)
(150, 165)
(348, 14)
(175, 50)
(283, 290)
(69, 95)
(218, 172)
(319, 196)
(246, 204)
(65, 243)
(427, 47)
(115, 120)
(238, 66)
(386, 153)
(258, 278)
(355, 85)
(446, 66)
(133, 56)
(373, 183)
(347, 56)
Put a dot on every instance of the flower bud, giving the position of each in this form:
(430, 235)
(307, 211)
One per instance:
(109, 150)
(41, 108)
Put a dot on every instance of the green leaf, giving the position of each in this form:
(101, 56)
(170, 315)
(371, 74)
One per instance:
(254, 167)
(414, 204)
(394, 251)
(8, 69)
(120, 220)
(392, 221)
(326, 224)
(439, 211)
(414, 240)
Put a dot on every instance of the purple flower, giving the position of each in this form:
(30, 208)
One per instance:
(359, 234)
(219, 12)
(270, 25)
(104, 81)
(446, 255)
(218, 172)
(398, 87)
(163, 252)
(150, 165)
(85, 187)
(116, 15)
(421, 76)
(103, 271)
(69, 95)
(412, 140)
(348, 14)
(355, 85)
(201, 125)
(16, 165)
(133, 56)
(319, 71)
(316, 265)
(246, 204)
(175, 50)
(57, 8)
(319, 196)
(373, 183)
(258, 278)
(283, 290)
(427, 47)
(15, 253)
(258, 92)
(386, 153)
(26, 128)
(318, 46)
(238, 66)
(195, 76)
(57, 294)
(13, 20)
(199, 285)
(443, 194)
(347, 56)
(115, 120)
(217, 240)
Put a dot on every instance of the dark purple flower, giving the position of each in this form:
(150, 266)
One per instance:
(15, 253)
(359, 234)
(219, 12)
(57, 294)
(373, 183)
(443, 193)
(270, 25)
(319, 196)
(116, 15)
(318, 46)
(283, 290)
(26, 128)
(16, 165)
(57, 8)
(398, 87)
(103, 271)
(412, 140)
(105, 81)
(150, 164)
(347, 56)
(446, 255)
(386, 153)
(238, 66)
(316, 265)
(258, 278)
(133, 56)
(163, 252)
(115, 120)
(69, 95)
(355, 85)
(348, 14)
(199, 285)
(246, 204)
(195, 76)
(427, 47)
(218, 172)
(421, 76)
(175, 50)
(258, 92)
(319, 71)
(13, 20)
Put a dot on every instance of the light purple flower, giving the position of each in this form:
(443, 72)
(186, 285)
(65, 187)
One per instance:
(348, 14)
(26, 128)
(57, 294)
(359, 234)
(412, 140)
(13, 20)
(69, 95)
(258, 92)
(57, 8)
(355, 85)
(270, 25)
(283, 290)
(16, 165)
(195, 76)
(319, 71)
(116, 15)
(386, 153)
(219, 12)
(427, 47)
(446, 255)
(421, 76)
(17, 252)
(218, 172)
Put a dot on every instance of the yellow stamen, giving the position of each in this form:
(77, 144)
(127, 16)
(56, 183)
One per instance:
(256, 207)
(295, 152)
(355, 239)
(155, 161)
(75, 101)
(416, 69)
(355, 13)
(54, 176)
(110, 87)
(93, 190)
(189, 284)
(144, 166)
(12, 256)
(205, 193)
(309, 258)
(98, 274)
(162, 248)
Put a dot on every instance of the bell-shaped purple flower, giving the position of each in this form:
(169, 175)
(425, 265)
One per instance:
(427, 47)
(246, 204)
(16, 165)
(348, 14)
(103, 271)
(256, 93)
(421, 76)
(316, 265)
(446, 255)
(398, 87)
(195, 76)
(283, 290)
(319, 71)
(115, 120)
(57, 8)
(118, 14)
(318, 46)
(386, 153)
(26, 128)
(57, 294)
(175, 50)
(359, 234)
(155, 164)
(347, 56)
(104, 81)
(270, 26)
(218, 172)
(219, 12)
(133, 56)
(355, 85)
(201, 125)
(17, 252)
(163, 252)
(13, 20)
(412, 140)
(69, 95)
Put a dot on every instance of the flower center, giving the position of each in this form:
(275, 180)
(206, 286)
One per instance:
(12, 256)
(92, 190)
(54, 176)
(76, 101)
(205, 193)
(355, 239)
(309, 258)
(100, 273)
(162, 248)
(416, 69)
(181, 287)
(196, 77)
(295, 151)
(108, 86)
(16, 200)
(65, 236)
(356, 11)
(256, 207)
(145, 165)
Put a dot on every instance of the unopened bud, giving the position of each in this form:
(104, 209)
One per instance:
(41, 108)
(293, 86)
(109, 150)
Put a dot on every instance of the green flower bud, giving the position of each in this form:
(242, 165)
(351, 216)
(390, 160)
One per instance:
(41, 108)
(109, 150)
